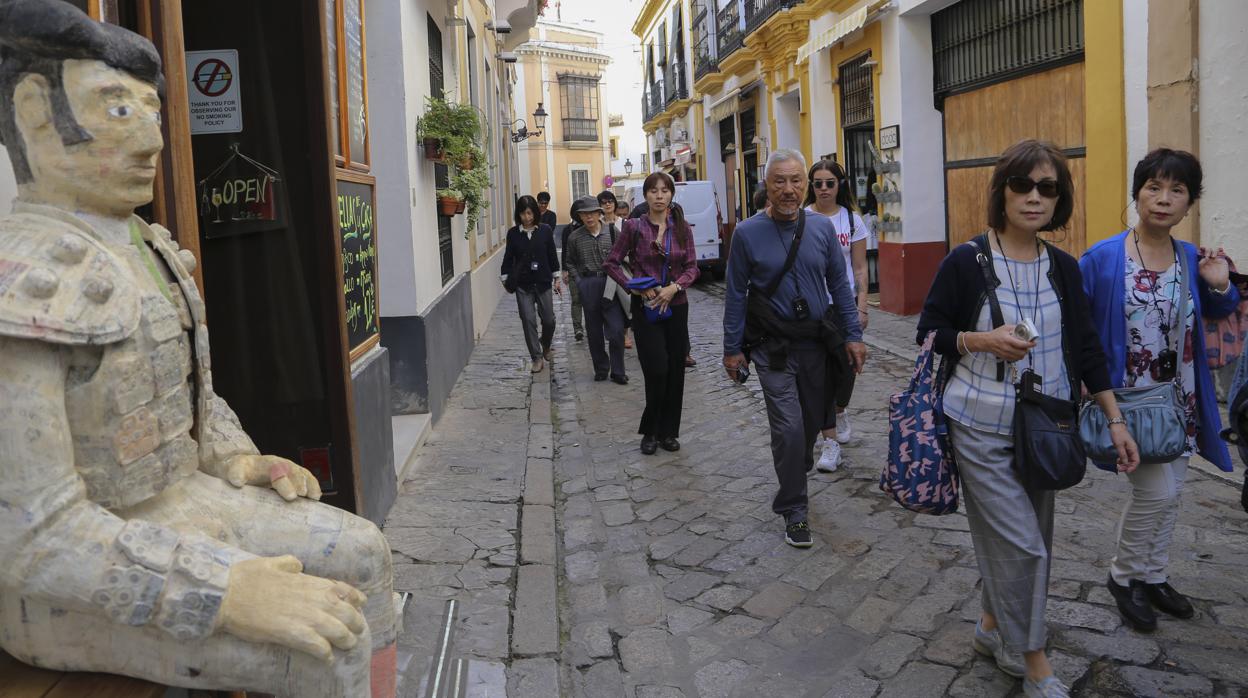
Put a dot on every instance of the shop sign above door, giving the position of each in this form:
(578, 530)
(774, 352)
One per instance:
(214, 93)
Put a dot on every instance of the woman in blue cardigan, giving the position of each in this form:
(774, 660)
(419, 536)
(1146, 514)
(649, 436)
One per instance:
(1133, 283)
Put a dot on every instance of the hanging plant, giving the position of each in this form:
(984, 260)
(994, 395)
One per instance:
(472, 185)
(449, 201)
(449, 131)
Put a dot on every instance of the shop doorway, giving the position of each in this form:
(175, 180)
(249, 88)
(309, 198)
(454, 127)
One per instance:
(265, 234)
(858, 127)
(749, 160)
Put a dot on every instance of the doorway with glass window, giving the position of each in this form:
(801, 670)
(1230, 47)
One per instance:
(858, 129)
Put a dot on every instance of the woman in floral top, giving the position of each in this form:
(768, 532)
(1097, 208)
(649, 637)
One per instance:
(1134, 282)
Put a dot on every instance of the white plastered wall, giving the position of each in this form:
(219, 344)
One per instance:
(907, 97)
(1223, 71)
(1135, 79)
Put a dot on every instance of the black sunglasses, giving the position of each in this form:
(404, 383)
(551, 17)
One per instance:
(824, 183)
(1023, 185)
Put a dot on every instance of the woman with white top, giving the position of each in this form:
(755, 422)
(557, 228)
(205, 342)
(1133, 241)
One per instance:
(830, 195)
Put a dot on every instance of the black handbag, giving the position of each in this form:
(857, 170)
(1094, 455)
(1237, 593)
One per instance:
(1048, 451)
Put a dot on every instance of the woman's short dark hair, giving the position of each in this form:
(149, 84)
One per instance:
(760, 198)
(528, 203)
(605, 195)
(1018, 161)
(1165, 163)
(543, 197)
(844, 195)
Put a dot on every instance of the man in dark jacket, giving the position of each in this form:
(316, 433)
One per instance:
(578, 313)
(548, 216)
(530, 267)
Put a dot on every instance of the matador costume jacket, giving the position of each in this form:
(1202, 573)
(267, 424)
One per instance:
(138, 415)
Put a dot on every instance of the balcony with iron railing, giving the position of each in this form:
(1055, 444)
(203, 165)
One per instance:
(677, 82)
(759, 11)
(704, 54)
(729, 35)
(653, 100)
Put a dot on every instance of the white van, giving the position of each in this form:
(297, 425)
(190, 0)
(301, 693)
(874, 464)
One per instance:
(700, 202)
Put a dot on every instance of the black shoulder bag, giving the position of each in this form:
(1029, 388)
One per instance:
(758, 312)
(1048, 452)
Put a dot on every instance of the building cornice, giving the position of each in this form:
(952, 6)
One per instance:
(649, 12)
(564, 51)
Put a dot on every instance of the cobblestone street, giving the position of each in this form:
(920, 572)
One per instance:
(667, 575)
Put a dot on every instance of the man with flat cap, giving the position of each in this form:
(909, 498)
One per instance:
(142, 533)
(588, 248)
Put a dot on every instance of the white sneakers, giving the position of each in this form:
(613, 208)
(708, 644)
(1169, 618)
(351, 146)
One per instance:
(830, 459)
(844, 431)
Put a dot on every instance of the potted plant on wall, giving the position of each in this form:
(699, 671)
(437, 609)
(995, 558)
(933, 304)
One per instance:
(472, 185)
(450, 132)
(449, 201)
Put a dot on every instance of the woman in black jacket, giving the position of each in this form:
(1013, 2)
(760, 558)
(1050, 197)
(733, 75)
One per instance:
(530, 267)
(1039, 287)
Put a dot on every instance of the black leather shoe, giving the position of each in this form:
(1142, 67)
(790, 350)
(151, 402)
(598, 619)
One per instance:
(670, 444)
(622, 380)
(600, 377)
(649, 445)
(1133, 604)
(1167, 600)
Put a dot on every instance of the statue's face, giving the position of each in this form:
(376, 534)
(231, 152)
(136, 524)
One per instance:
(113, 171)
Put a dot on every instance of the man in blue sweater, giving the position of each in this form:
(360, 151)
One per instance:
(795, 388)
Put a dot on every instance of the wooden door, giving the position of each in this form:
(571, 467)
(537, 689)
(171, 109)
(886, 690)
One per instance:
(981, 124)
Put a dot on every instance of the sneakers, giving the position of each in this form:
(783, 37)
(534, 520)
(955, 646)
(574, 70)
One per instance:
(1133, 604)
(798, 535)
(1048, 687)
(580, 336)
(538, 364)
(830, 459)
(989, 644)
(844, 431)
(1165, 599)
(548, 354)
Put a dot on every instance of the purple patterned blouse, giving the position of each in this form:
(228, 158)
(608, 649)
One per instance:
(639, 242)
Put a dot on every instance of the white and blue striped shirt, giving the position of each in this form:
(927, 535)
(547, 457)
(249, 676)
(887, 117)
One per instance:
(974, 397)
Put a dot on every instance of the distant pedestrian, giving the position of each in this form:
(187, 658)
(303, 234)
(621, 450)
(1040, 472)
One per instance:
(548, 216)
(606, 199)
(588, 249)
(829, 195)
(1012, 523)
(782, 268)
(530, 268)
(659, 245)
(578, 312)
(1135, 285)
(639, 210)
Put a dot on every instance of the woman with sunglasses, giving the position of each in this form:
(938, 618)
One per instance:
(1134, 283)
(828, 195)
(659, 245)
(1012, 524)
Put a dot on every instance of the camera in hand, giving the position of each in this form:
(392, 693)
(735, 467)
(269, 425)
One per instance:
(743, 372)
(1026, 330)
(801, 309)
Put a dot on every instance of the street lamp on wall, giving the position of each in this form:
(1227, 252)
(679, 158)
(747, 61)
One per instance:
(628, 167)
(523, 133)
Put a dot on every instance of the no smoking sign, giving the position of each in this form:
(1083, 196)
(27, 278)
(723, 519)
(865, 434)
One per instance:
(213, 91)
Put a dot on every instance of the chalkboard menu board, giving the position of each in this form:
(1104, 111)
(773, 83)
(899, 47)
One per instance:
(357, 229)
(331, 37)
(357, 116)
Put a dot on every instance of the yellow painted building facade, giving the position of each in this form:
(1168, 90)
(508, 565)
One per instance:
(561, 67)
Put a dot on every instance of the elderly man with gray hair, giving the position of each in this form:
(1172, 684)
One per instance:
(789, 308)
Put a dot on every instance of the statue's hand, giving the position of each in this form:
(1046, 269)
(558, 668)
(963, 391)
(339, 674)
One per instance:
(291, 481)
(269, 600)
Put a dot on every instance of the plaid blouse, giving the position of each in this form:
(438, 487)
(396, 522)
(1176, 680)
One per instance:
(973, 396)
(639, 242)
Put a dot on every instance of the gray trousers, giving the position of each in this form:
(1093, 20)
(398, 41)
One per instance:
(1012, 529)
(604, 325)
(1147, 523)
(578, 326)
(533, 303)
(795, 408)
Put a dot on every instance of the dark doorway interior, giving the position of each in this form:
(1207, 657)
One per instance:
(263, 289)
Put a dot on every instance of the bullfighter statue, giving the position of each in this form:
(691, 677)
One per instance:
(141, 532)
